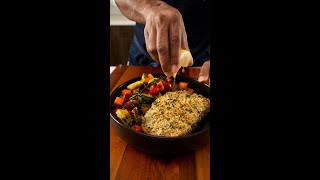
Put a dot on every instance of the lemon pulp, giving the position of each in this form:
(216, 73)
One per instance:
(185, 58)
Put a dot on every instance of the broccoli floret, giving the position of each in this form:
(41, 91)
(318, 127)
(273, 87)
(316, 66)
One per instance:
(121, 114)
(125, 117)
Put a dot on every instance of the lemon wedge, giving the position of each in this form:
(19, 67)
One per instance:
(185, 58)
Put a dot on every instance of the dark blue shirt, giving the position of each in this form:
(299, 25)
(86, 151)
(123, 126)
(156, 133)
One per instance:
(195, 15)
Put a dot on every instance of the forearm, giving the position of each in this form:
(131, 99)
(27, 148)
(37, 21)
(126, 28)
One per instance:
(136, 10)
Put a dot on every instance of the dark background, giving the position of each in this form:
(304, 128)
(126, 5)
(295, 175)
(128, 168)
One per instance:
(57, 89)
(120, 41)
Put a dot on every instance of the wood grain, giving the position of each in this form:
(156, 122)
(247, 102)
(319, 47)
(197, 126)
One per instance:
(116, 75)
(129, 163)
(202, 159)
(156, 167)
(117, 149)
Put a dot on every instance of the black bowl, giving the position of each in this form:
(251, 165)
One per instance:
(162, 145)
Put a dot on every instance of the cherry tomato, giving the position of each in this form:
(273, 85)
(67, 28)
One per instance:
(167, 85)
(153, 90)
(136, 128)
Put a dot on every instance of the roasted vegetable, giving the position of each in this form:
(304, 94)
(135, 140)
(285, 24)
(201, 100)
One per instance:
(145, 99)
(121, 114)
(183, 85)
(167, 85)
(136, 127)
(124, 116)
(153, 90)
(126, 94)
(130, 105)
(160, 86)
(125, 91)
(137, 115)
(148, 78)
(135, 85)
(153, 80)
(144, 108)
(118, 102)
(143, 77)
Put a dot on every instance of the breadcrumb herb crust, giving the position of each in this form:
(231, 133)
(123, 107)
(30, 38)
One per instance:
(175, 114)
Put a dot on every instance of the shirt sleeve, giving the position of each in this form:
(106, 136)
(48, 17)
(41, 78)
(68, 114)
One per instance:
(113, 2)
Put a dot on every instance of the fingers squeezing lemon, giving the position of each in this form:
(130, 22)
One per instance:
(185, 58)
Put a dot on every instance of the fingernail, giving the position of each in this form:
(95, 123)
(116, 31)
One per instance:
(168, 74)
(174, 68)
(202, 78)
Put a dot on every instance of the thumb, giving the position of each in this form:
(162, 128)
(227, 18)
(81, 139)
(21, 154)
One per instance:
(204, 72)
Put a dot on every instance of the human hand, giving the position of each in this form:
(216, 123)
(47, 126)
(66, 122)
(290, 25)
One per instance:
(165, 36)
(204, 75)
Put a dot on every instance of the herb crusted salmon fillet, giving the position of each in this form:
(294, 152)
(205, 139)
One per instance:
(175, 113)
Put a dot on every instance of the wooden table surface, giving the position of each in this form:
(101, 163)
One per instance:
(129, 163)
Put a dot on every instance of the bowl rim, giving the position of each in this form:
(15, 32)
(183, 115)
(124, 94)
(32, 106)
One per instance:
(153, 136)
